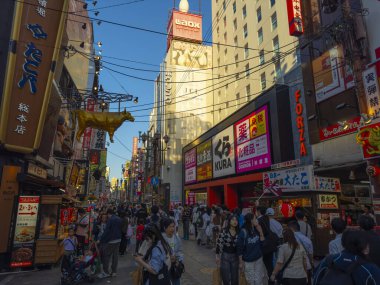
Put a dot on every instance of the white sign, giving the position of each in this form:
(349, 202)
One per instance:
(290, 180)
(37, 171)
(327, 184)
(286, 164)
(371, 88)
(186, 23)
(223, 153)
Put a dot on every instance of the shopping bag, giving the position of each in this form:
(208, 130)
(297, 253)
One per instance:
(137, 276)
(192, 229)
(216, 278)
(242, 280)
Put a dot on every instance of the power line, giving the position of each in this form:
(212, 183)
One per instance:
(122, 144)
(114, 154)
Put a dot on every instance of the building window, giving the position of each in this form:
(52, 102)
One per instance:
(227, 104)
(274, 21)
(237, 61)
(224, 5)
(235, 25)
(218, 62)
(234, 7)
(272, 2)
(245, 31)
(225, 21)
(277, 70)
(247, 70)
(263, 81)
(248, 92)
(260, 36)
(262, 57)
(259, 16)
(225, 37)
(236, 41)
(244, 11)
(237, 100)
(246, 51)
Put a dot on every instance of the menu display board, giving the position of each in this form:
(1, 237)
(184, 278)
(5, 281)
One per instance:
(24, 238)
(204, 161)
(252, 141)
(190, 166)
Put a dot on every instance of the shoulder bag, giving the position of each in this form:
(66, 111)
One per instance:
(161, 278)
(280, 274)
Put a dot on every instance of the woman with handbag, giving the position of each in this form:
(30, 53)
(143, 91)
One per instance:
(155, 263)
(291, 262)
(249, 244)
(176, 256)
(226, 252)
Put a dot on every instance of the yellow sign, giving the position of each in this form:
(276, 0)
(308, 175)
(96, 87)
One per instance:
(257, 125)
(328, 201)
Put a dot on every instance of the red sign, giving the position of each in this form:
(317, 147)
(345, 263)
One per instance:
(88, 131)
(300, 123)
(295, 17)
(337, 130)
(368, 138)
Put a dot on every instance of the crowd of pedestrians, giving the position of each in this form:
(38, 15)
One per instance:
(251, 248)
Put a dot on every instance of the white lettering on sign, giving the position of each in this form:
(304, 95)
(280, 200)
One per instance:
(186, 23)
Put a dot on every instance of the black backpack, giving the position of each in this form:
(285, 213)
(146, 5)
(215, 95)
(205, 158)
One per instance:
(334, 275)
(200, 221)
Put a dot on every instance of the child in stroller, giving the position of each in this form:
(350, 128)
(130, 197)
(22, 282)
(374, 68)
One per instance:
(75, 269)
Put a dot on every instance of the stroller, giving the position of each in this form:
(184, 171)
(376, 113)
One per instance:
(75, 270)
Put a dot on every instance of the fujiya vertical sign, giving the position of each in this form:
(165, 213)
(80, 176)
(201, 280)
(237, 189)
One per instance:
(223, 152)
(372, 92)
(36, 38)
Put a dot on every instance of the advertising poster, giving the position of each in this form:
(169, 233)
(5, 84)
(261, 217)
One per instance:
(190, 166)
(252, 142)
(25, 231)
(366, 137)
(204, 161)
(223, 153)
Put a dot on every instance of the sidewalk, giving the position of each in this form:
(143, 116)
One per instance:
(199, 263)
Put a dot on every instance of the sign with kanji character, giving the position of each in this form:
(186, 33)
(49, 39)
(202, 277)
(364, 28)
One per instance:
(328, 201)
(371, 88)
(252, 145)
(204, 161)
(36, 37)
(328, 184)
(367, 137)
(223, 153)
(190, 166)
(295, 17)
(292, 179)
(25, 230)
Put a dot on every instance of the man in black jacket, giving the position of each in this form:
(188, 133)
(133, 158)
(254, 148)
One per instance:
(111, 239)
(367, 224)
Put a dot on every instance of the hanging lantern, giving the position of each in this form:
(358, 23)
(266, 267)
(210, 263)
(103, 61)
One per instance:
(287, 210)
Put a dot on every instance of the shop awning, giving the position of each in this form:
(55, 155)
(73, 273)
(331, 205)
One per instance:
(341, 166)
(71, 199)
(27, 178)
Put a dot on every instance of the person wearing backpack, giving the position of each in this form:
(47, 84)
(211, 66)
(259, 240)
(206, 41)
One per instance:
(249, 242)
(290, 268)
(156, 261)
(350, 267)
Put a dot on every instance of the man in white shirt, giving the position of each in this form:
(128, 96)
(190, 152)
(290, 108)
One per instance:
(274, 225)
(338, 226)
(305, 227)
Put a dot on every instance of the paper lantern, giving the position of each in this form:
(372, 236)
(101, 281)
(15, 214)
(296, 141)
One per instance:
(287, 210)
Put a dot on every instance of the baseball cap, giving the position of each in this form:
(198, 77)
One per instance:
(270, 212)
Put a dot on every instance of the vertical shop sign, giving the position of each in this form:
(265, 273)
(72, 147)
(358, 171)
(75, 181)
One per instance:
(367, 137)
(190, 166)
(87, 132)
(9, 188)
(25, 231)
(252, 147)
(300, 123)
(37, 31)
(204, 161)
(295, 17)
(223, 153)
(371, 88)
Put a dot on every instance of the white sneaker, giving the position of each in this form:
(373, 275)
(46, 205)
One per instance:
(103, 275)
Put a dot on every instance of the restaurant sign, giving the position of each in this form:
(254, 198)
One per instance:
(252, 149)
(328, 201)
(204, 161)
(337, 130)
(36, 34)
(328, 184)
(190, 166)
(223, 152)
(24, 237)
(295, 17)
(371, 88)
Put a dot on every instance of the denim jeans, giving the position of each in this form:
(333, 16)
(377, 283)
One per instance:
(229, 267)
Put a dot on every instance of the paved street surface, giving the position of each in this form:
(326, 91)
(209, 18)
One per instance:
(199, 262)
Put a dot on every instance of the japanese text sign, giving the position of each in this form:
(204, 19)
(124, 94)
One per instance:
(371, 88)
(36, 38)
(190, 166)
(223, 152)
(292, 179)
(295, 17)
(25, 230)
(204, 161)
(368, 138)
(327, 184)
(328, 201)
(337, 130)
(252, 147)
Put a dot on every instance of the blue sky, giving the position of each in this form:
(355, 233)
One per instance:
(135, 45)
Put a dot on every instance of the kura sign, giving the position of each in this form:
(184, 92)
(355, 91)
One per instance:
(223, 152)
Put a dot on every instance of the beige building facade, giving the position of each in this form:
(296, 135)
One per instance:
(255, 51)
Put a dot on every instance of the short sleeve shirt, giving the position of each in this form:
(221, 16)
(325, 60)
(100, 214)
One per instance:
(295, 269)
